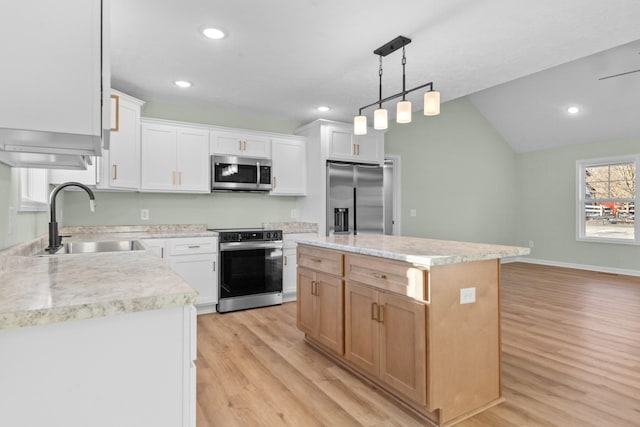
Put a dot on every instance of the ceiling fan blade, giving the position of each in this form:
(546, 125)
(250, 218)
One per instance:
(618, 75)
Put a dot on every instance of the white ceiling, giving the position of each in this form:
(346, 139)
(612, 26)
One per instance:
(283, 58)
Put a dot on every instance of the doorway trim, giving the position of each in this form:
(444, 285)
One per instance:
(397, 196)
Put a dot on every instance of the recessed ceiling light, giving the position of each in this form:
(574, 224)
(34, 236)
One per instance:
(573, 110)
(213, 33)
(182, 83)
(323, 108)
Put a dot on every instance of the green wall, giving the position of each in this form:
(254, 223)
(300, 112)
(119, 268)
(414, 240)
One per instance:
(547, 182)
(28, 225)
(458, 174)
(217, 210)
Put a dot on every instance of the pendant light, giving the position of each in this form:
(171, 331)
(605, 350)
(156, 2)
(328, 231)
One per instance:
(380, 119)
(403, 108)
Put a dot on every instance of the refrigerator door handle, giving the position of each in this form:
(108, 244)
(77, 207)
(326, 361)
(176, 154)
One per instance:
(355, 213)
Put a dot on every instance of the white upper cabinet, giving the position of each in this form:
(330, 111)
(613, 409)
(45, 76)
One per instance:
(242, 144)
(120, 165)
(55, 64)
(174, 158)
(344, 145)
(192, 160)
(288, 172)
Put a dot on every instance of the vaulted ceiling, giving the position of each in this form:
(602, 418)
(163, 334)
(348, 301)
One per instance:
(282, 59)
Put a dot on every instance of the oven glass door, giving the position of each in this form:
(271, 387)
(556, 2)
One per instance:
(250, 271)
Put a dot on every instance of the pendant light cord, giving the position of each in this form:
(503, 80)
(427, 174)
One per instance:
(404, 61)
(380, 85)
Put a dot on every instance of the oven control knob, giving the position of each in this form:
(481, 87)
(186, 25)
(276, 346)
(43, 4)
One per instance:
(276, 235)
(269, 236)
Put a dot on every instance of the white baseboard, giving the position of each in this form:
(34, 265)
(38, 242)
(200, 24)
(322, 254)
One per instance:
(600, 269)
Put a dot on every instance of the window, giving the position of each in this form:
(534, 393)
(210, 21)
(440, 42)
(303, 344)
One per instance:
(607, 199)
(34, 190)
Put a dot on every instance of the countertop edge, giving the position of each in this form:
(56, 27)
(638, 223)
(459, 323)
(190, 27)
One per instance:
(45, 316)
(424, 260)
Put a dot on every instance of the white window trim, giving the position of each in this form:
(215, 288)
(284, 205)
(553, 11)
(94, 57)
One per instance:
(580, 199)
(28, 188)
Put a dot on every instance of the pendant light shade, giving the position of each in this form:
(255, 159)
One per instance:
(403, 115)
(432, 103)
(360, 125)
(380, 121)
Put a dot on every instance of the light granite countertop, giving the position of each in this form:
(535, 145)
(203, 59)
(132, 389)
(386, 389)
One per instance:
(419, 251)
(41, 290)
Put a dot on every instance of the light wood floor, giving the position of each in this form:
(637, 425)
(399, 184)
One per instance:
(570, 357)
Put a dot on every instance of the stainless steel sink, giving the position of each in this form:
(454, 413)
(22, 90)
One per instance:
(96, 247)
(101, 246)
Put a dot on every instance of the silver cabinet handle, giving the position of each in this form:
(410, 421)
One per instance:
(194, 246)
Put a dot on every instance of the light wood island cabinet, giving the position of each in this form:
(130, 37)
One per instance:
(408, 324)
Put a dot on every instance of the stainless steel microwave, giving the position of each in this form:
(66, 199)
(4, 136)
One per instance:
(231, 173)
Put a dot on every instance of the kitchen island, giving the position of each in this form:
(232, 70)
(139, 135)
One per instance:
(95, 339)
(417, 318)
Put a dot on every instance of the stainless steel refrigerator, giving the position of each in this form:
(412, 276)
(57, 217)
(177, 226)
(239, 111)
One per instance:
(355, 199)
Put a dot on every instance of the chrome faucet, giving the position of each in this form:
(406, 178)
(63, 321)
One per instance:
(55, 240)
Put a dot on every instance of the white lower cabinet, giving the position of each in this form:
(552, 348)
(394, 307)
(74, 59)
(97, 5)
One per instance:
(289, 273)
(133, 369)
(195, 259)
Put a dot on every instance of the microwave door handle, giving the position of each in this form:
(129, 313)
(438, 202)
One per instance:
(258, 174)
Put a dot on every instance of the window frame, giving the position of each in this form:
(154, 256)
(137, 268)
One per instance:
(581, 166)
(33, 190)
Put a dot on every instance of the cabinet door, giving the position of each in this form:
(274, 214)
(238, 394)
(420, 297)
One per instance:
(54, 68)
(289, 274)
(369, 148)
(361, 327)
(256, 146)
(193, 160)
(305, 285)
(329, 312)
(226, 143)
(124, 148)
(198, 271)
(240, 144)
(289, 169)
(340, 144)
(158, 171)
(157, 246)
(403, 345)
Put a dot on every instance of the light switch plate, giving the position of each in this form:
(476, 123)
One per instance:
(144, 214)
(412, 212)
(467, 295)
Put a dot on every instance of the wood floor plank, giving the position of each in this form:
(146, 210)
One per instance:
(570, 357)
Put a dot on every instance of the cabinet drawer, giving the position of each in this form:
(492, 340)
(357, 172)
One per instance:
(394, 276)
(192, 245)
(318, 259)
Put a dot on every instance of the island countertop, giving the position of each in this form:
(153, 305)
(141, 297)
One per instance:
(416, 250)
(42, 290)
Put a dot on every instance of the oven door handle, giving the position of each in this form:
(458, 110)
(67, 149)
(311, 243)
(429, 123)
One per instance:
(244, 246)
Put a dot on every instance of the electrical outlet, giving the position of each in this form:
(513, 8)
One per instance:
(413, 212)
(467, 295)
(531, 244)
(144, 214)
(294, 213)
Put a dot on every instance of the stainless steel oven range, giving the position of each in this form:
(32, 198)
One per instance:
(250, 273)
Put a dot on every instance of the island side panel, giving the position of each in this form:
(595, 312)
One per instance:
(464, 339)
